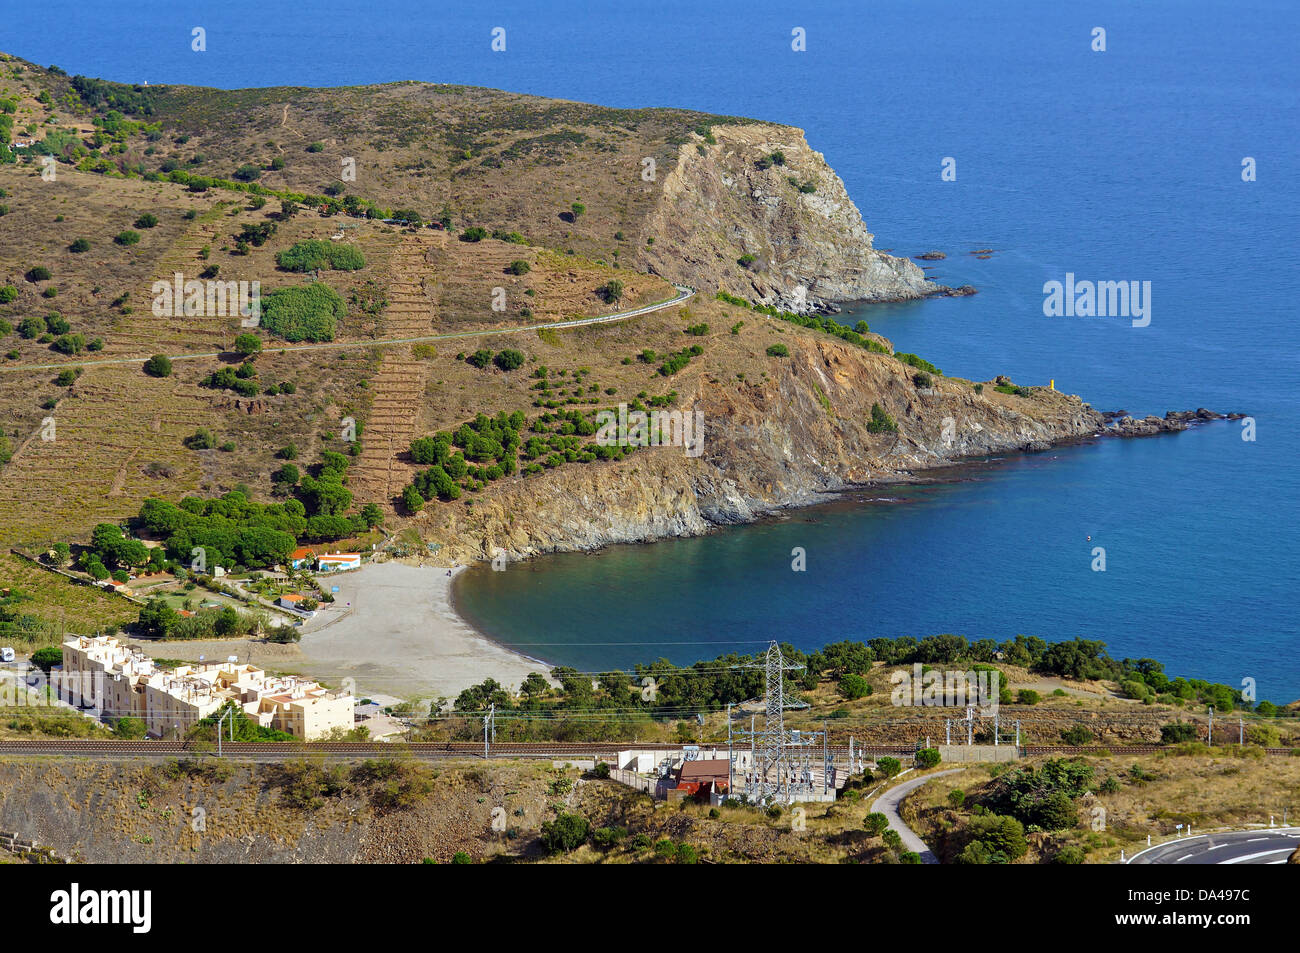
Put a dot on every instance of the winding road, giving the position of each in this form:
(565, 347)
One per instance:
(683, 294)
(1261, 846)
(888, 804)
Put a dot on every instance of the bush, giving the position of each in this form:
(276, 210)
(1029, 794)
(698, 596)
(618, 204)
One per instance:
(611, 291)
(315, 254)
(880, 421)
(147, 220)
(316, 147)
(956, 798)
(888, 767)
(778, 350)
(303, 312)
(127, 237)
(508, 360)
(567, 832)
(1076, 735)
(201, 439)
(1177, 733)
(38, 273)
(1027, 696)
(158, 366)
(8, 293)
(875, 824)
(473, 234)
(518, 267)
(922, 379)
(80, 245)
(1069, 854)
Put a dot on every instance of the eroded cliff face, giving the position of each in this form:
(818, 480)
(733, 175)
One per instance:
(787, 441)
(810, 249)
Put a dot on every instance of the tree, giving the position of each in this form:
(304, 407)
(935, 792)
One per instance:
(927, 757)
(412, 500)
(854, 686)
(247, 344)
(876, 824)
(611, 291)
(47, 657)
(371, 515)
(578, 210)
(158, 366)
(888, 767)
(157, 619)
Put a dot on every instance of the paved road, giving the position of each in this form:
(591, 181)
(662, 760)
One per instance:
(1262, 846)
(888, 803)
(683, 293)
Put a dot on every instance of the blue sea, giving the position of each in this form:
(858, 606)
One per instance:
(1117, 165)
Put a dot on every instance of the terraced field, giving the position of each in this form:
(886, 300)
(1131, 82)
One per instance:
(399, 386)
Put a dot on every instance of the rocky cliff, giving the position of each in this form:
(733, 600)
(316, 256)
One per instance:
(760, 214)
(787, 440)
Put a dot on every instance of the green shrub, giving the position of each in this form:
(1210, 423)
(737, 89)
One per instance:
(38, 273)
(158, 366)
(80, 245)
(147, 220)
(778, 350)
(315, 254)
(927, 757)
(127, 237)
(473, 234)
(508, 360)
(881, 422)
(854, 686)
(518, 267)
(1076, 735)
(567, 832)
(303, 312)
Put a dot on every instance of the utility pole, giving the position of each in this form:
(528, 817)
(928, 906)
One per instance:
(489, 728)
(731, 757)
(1209, 737)
(970, 727)
(1241, 731)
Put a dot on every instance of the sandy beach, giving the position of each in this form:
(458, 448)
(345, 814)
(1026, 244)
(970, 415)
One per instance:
(391, 630)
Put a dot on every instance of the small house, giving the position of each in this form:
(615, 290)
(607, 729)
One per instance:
(302, 556)
(335, 562)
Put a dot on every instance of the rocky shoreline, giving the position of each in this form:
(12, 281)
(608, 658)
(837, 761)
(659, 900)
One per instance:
(1119, 423)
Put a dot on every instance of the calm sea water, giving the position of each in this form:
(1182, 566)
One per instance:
(1122, 165)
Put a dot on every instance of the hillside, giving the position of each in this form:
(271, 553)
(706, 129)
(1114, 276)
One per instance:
(435, 330)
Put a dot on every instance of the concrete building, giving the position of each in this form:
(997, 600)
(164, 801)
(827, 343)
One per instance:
(302, 556)
(334, 562)
(122, 681)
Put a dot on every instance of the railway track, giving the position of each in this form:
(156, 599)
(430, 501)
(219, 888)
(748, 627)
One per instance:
(269, 751)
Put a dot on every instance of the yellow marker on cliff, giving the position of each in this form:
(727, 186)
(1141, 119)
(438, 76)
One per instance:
(1052, 384)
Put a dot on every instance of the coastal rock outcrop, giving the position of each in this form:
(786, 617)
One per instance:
(761, 215)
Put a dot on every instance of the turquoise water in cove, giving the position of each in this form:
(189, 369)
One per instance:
(1116, 165)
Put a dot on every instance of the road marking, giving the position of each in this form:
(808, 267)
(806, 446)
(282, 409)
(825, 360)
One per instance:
(1262, 853)
(1252, 840)
(1182, 858)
